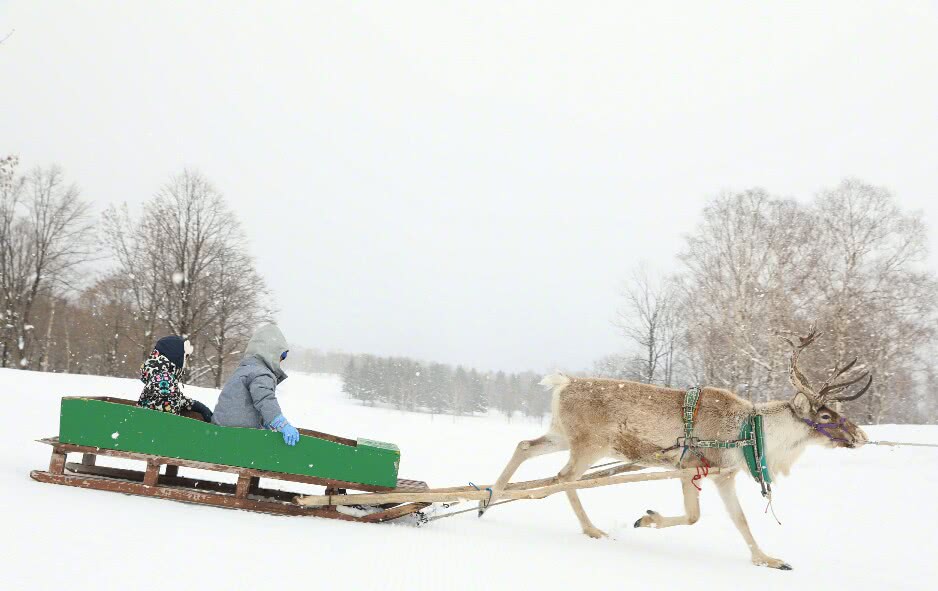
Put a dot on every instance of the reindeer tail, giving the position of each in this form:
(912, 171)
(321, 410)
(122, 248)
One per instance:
(557, 381)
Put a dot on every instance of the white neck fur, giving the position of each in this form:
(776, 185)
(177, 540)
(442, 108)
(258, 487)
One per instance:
(786, 436)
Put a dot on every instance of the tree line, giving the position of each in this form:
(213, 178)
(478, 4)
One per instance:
(850, 260)
(86, 293)
(436, 388)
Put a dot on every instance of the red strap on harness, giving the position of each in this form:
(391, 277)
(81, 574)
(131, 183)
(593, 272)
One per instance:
(702, 472)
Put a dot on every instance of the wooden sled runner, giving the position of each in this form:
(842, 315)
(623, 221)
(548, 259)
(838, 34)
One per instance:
(118, 428)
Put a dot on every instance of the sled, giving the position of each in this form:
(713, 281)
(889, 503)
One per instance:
(112, 427)
(163, 442)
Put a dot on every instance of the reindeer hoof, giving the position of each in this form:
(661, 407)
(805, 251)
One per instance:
(648, 521)
(594, 533)
(773, 563)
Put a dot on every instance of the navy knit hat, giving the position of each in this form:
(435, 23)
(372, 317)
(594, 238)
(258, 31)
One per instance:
(174, 349)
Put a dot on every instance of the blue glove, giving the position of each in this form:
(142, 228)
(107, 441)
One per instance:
(290, 434)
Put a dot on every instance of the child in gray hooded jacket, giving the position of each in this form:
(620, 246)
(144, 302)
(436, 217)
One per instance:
(249, 397)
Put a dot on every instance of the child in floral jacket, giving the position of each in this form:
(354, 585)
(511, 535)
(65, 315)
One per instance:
(160, 375)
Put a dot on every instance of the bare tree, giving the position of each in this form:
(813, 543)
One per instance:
(44, 235)
(851, 260)
(648, 321)
(185, 268)
(240, 302)
(740, 266)
(877, 296)
(137, 248)
(193, 219)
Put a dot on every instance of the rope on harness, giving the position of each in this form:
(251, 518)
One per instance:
(488, 488)
(702, 471)
(772, 507)
(901, 444)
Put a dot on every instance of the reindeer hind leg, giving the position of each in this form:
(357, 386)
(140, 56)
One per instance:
(578, 464)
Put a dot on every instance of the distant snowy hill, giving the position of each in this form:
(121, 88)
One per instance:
(852, 519)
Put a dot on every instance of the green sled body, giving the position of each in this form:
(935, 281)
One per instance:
(118, 424)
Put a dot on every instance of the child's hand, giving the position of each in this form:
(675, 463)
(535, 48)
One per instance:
(290, 434)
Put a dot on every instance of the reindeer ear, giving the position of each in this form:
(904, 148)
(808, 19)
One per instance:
(801, 404)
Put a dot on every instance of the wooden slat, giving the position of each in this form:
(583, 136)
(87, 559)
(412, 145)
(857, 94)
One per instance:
(57, 462)
(186, 496)
(152, 476)
(328, 437)
(244, 484)
(433, 495)
(399, 511)
(68, 447)
(404, 484)
(180, 481)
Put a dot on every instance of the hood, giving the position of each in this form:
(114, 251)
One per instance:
(175, 349)
(266, 345)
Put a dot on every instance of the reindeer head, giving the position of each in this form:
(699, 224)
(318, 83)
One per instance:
(814, 407)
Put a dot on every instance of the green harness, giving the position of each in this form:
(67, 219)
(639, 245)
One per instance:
(751, 440)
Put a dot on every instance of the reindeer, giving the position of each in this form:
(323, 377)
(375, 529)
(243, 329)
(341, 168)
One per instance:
(596, 418)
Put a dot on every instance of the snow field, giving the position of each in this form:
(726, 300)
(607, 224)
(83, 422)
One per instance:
(852, 519)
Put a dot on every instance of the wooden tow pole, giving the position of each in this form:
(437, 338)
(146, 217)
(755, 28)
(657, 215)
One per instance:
(448, 495)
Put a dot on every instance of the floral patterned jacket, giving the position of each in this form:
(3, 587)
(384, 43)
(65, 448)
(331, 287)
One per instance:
(161, 388)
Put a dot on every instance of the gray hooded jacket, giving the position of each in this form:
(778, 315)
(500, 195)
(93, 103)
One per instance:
(249, 398)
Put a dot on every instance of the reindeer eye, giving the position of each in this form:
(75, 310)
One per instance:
(825, 417)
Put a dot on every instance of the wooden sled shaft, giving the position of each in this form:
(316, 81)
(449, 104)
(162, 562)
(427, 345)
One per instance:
(440, 496)
(527, 484)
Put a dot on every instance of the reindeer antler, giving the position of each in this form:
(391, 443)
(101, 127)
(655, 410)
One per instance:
(795, 376)
(831, 393)
(829, 389)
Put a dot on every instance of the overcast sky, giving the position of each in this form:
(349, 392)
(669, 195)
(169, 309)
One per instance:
(471, 182)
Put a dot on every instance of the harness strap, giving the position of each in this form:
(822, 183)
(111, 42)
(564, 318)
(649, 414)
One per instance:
(751, 441)
(691, 406)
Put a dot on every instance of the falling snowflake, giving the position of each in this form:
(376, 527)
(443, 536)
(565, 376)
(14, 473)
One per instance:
(115, 435)
(178, 278)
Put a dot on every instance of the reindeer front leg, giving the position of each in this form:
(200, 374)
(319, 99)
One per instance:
(726, 484)
(691, 510)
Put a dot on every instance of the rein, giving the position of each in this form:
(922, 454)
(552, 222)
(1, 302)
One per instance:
(823, 427)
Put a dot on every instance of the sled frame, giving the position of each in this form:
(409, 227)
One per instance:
(246, 494)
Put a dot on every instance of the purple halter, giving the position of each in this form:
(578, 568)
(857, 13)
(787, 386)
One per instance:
(823, 427)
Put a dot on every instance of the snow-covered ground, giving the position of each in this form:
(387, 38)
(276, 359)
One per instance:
(852, 519)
